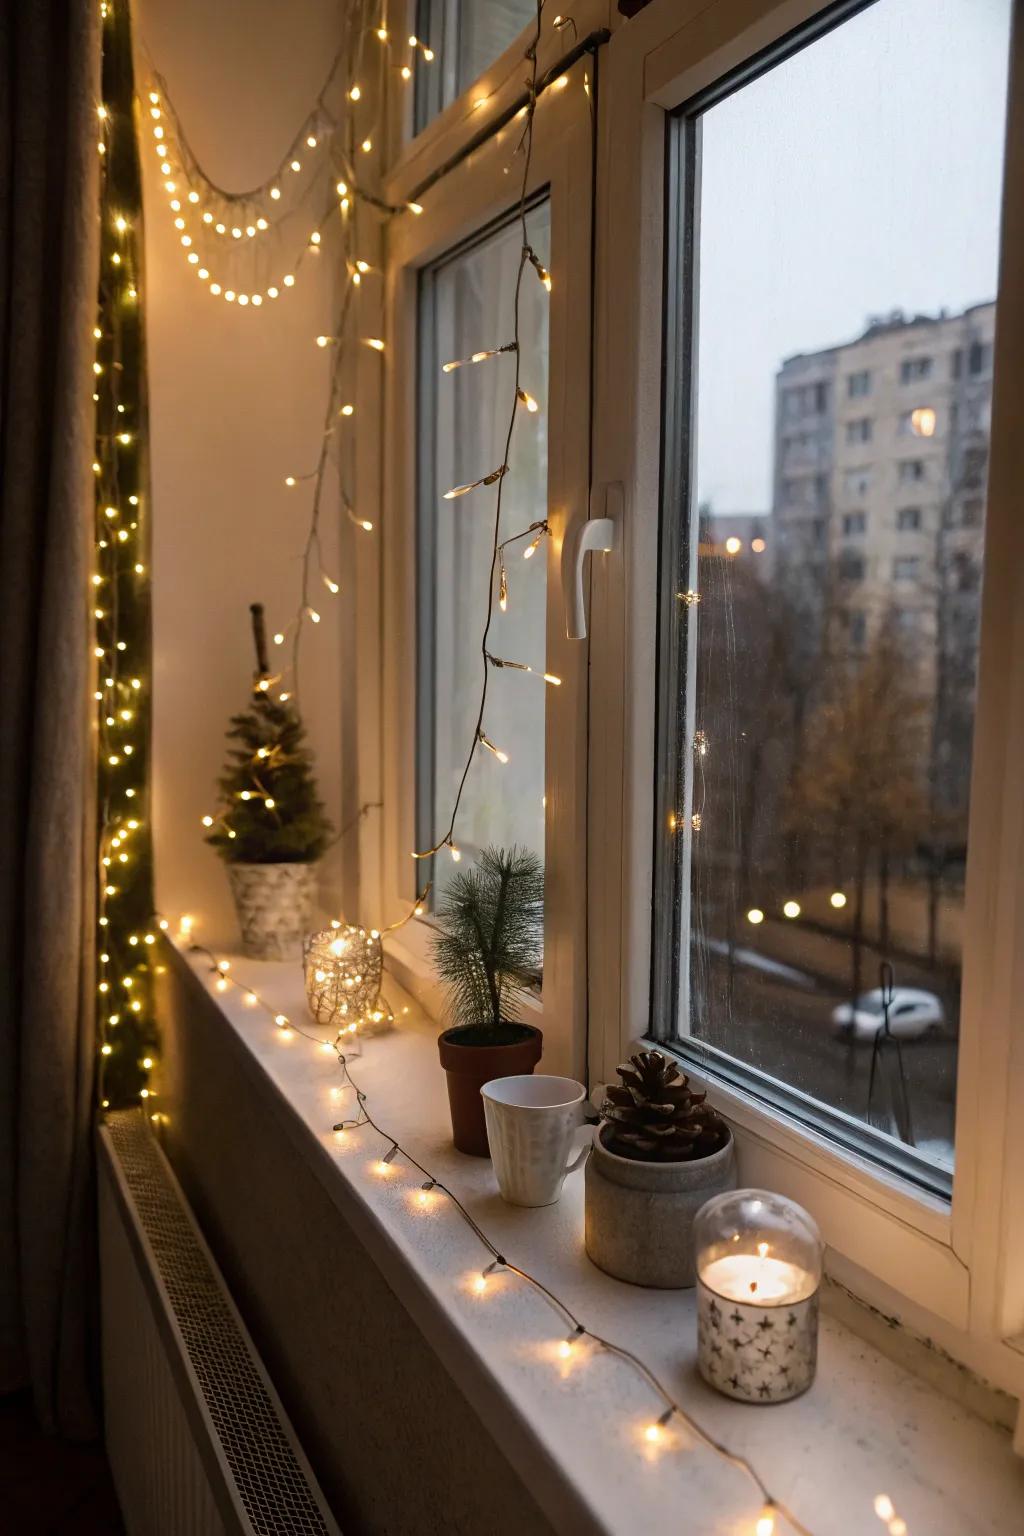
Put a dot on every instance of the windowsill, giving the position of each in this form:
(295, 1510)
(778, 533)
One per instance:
(574, 1433)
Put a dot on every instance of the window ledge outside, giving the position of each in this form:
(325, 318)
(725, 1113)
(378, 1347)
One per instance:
(574, 1432)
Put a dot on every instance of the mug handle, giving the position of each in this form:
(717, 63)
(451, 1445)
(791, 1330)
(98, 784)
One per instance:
(587, 1133)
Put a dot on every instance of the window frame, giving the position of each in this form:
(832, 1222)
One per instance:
(954, 1270)
(473, 196)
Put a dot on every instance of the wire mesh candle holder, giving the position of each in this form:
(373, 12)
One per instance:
(344, 969)
(758, 1277)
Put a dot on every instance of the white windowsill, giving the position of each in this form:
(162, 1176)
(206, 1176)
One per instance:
(574, 1433)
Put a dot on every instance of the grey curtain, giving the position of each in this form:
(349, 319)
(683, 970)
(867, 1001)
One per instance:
(49, 92)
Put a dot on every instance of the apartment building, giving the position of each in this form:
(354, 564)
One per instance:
(881, 454)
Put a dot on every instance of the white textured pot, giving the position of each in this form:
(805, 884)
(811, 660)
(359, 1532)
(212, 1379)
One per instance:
(275, 905)
(639, 1216)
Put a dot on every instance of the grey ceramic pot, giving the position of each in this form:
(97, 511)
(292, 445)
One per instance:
(639, 1216)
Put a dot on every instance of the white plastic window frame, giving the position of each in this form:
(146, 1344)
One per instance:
(954, 1272)
(468, 198)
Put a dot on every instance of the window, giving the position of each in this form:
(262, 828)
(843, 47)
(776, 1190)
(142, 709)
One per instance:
(857, 627)
(859, 384)
(859, 431)
(856, 482)
(908, 519)
(854, 524)
(465, 37)
(465, 301)
(979, 357)
(914, 368)
(796, 820)
(969, 513)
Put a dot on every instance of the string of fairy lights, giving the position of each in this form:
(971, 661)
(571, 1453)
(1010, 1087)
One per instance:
(656, 1433)
(120, 597)
(212, 225)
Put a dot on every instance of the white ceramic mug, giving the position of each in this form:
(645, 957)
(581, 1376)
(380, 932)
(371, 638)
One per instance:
(532, 1123)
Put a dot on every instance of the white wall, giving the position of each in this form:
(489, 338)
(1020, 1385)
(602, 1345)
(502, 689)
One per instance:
(236, 400)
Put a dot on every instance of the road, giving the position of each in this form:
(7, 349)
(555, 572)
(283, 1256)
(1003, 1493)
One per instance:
(778, 1018)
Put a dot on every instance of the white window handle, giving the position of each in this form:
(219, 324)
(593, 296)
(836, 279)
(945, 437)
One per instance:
(598, 534)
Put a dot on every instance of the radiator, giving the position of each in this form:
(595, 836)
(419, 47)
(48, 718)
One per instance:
(198, 1442)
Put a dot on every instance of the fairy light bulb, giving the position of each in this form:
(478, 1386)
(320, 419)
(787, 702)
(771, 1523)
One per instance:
(415, 207)
(354, 93)
(766, 1522)
(366, 146)
(884, 1507)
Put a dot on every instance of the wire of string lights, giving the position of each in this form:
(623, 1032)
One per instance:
(669, 1409)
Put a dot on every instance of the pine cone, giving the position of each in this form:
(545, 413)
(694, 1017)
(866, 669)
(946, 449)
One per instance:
(655, 1117)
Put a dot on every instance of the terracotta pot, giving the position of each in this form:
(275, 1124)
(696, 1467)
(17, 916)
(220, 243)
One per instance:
(468, 1067)
(639, 1215)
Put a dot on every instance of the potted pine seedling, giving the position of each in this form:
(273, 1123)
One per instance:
(487, 953)
(661, 1152)
(271, 828)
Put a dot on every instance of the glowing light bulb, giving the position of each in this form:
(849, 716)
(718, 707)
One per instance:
(374, 342)
(791, 909)
(837, 899)
(342, 188)
(415, 207)
(289, 281)
(884, 1507)
(207, 821)
(766, 1522)
(405, 72)
(480, 1284)
(275, 193)
(355, 93)
(296, 165)
(733, 546)
(366, 146)
(314, 238)
(270, 802)
(324, 341)
(755, 916)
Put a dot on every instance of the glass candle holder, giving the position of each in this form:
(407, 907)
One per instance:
(758, 1277)
(343, 971)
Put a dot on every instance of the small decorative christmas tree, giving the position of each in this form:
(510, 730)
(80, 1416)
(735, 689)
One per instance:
(271, 813)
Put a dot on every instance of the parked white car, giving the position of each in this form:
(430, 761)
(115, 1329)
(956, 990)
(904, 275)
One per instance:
(912, 1013)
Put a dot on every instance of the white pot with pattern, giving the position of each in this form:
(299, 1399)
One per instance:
(275, 904)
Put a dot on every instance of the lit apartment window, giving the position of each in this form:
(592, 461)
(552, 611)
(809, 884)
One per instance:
(906, 568)
(859, 431)
(854, 524)
(911, 470)
(914, 368)
(859, 384)
(908, 519)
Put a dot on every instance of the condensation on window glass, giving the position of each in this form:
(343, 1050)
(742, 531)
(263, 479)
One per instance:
(848, 227)
(466, 306)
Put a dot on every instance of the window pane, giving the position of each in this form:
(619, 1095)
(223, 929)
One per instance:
(830, 517)
(465, 37)
(466, 305)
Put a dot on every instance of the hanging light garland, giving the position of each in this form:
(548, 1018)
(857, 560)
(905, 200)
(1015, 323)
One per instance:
(120, 598)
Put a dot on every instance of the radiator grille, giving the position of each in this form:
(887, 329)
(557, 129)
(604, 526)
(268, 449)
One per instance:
(271, 1482)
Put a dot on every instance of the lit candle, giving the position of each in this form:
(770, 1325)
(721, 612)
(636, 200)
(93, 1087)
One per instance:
(758, 1273)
